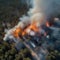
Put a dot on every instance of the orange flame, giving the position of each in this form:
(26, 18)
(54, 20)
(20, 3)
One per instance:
(16, 32)
(23, 32)
(31, 27)
(47, 24)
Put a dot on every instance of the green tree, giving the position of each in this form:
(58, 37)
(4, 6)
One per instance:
(26, 59)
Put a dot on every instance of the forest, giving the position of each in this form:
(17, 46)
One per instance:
(10, 11)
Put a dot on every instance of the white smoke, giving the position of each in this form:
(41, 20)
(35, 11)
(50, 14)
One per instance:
(46, 7)
(40, 11)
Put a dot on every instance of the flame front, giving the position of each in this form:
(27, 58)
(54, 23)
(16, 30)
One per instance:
(31, 27)
(18, 30)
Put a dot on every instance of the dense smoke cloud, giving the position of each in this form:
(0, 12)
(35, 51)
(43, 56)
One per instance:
(40, 11)
(46, 6)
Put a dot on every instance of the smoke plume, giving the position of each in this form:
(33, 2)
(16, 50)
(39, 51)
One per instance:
(40, 11)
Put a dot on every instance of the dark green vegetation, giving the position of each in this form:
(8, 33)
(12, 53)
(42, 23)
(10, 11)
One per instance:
(8, 52)
(53, 55)
(12, 9)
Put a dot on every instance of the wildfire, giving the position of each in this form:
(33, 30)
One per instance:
(16, 32)
(47, 24)
(33, 27)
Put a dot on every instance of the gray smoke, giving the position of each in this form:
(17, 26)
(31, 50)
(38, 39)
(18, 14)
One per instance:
(40, 11)
(46, 7)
